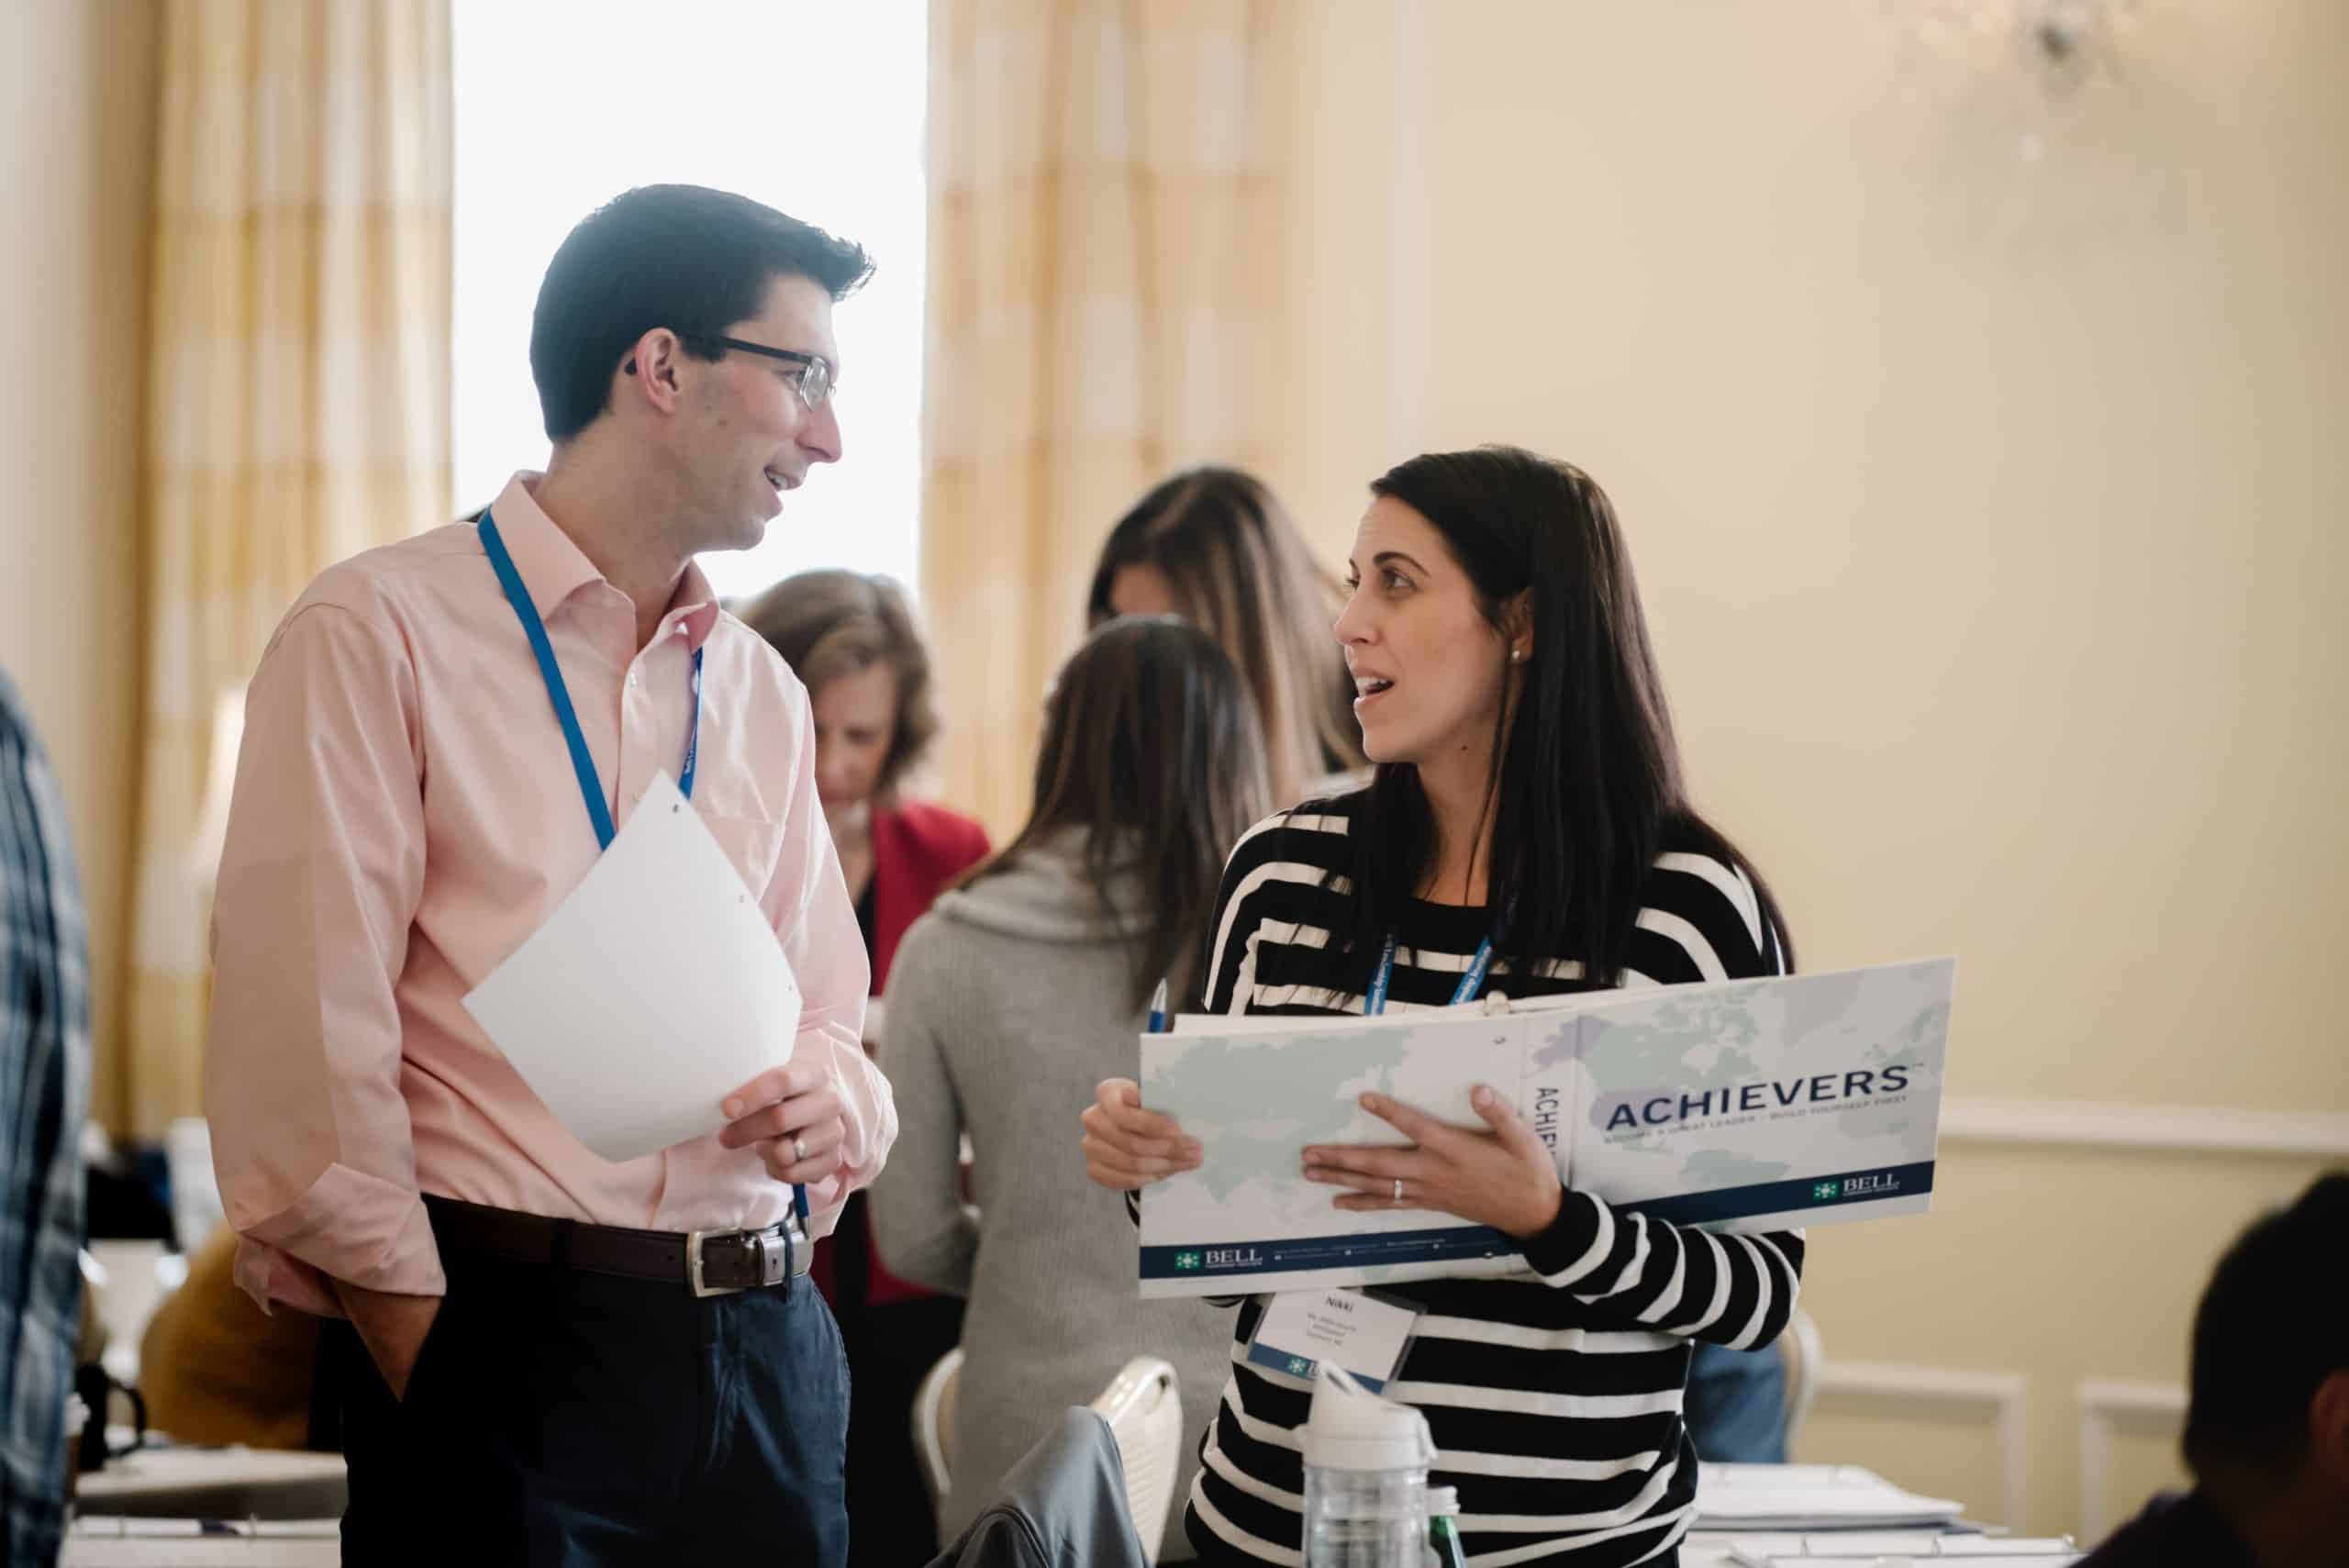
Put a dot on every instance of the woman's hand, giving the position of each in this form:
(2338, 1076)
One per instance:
(1504, 1178)
(1127, 1147)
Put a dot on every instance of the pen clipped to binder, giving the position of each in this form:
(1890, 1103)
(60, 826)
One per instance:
(1159, 1021)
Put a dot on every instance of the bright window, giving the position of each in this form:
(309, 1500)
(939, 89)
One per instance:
(814, 109)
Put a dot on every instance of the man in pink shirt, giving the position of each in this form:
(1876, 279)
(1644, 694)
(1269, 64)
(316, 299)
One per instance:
(581, 1360)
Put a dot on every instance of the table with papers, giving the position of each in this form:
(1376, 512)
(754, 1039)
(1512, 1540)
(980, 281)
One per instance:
(168, 1481)
(1840, 1516)
(202, 1543)
(1748, 1515)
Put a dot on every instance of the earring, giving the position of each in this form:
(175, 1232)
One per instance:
(1517, 655)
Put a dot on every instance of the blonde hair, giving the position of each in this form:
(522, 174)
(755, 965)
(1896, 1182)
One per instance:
(1240, 572)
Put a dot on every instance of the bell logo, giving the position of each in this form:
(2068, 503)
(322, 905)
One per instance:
(1875, 1183)
(1299, 1366)
(1186, 1259)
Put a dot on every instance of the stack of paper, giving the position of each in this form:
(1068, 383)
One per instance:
(128, 1527)
(1849, 1548)
(1755, 1498)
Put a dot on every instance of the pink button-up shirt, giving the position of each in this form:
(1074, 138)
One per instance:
(406, 814)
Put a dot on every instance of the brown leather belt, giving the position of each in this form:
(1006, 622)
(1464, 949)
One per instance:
(707, 1262)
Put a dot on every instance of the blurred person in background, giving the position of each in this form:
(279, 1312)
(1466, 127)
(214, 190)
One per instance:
(216, 1370)
(1735, 1405)
(1018, 994)
(851, 640)
(1214, 546)
(2268, 1411)
(44, 1099)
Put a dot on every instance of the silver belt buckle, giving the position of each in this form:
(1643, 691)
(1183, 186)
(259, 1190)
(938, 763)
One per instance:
(693, 1239)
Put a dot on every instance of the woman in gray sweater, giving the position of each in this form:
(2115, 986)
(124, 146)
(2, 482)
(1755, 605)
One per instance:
(1019, 992)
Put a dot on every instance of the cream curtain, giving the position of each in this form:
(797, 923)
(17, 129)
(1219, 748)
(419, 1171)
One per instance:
(297, 401)
(1107, 264)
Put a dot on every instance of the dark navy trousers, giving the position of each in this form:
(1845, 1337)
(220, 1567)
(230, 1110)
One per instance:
(557, 1417)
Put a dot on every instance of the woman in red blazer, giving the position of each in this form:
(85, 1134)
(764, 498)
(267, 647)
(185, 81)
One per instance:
(851, 641)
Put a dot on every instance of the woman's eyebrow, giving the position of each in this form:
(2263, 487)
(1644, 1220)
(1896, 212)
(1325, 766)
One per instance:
(1383, 556)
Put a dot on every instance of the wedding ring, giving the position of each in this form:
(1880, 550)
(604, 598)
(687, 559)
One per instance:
(1399, 1192)
(799, 1151)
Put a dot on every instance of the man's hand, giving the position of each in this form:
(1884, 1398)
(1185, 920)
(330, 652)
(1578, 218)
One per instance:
(392, 1328)
(791, 1114)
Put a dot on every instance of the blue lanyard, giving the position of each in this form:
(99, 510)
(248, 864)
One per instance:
(582, 763)
(1375, 1003)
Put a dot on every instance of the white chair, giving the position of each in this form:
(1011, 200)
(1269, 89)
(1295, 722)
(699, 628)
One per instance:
(1142, 1405)
(1144, 1409)
(1799, 1349)
(933, 1420)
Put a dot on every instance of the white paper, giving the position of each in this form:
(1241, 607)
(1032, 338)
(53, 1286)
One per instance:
(650, 994)
(1758, 1551)
(1973, 1559)
(1749, 1497)
(1869, 1549)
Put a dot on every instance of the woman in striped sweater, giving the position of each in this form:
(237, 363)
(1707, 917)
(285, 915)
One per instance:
(1527, 831)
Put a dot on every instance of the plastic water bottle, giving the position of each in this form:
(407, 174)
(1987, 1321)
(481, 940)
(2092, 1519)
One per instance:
(1366, 1478)
(1444, 1528)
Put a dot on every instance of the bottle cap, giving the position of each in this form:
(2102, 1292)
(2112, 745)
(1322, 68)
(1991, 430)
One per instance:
(1442, 1500)
(1352, 1428)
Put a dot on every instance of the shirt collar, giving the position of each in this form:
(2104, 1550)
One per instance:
(553, 567)
(693, 606)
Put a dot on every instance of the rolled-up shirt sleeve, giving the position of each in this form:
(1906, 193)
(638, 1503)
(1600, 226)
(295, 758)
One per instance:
(810, 906)
(319, 882)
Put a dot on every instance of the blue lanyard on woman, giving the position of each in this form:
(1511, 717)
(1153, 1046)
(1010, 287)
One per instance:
(1375, 1003)
(582, 763)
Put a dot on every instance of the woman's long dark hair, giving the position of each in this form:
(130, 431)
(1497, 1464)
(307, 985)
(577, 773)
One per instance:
(1149, 730)
(1588, 784)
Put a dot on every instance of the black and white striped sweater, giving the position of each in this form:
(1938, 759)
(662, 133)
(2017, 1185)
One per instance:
(1555, 1397)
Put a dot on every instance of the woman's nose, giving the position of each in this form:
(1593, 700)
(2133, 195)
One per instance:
(1351, 624)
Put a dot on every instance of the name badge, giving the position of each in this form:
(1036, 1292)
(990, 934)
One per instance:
(1365, 1334)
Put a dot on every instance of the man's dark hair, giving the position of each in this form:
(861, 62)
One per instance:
(683, 257)
(2265, 1339)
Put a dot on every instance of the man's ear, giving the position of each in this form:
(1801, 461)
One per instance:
(651, 371)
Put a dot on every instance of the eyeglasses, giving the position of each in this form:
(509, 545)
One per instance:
(815, 376)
